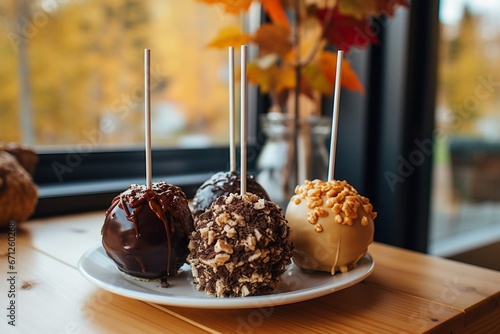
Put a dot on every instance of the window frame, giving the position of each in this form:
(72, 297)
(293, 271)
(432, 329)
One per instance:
(78, 180)
(402, 100)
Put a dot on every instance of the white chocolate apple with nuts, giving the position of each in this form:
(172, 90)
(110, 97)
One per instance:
(331, 225)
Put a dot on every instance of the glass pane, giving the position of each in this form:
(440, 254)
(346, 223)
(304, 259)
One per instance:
(72, 72)
(466, 182)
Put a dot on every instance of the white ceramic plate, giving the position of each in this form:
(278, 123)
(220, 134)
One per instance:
(296, 284)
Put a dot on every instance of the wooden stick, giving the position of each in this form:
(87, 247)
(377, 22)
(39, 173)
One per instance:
(335, 117)
(232, 139)
(243, 121)
(147, 118)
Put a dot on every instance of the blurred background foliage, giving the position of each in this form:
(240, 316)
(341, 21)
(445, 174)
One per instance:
(71, 68)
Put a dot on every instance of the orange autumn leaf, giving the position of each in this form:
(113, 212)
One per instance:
(276, 12)
(317, 79)
(273, 38)
(259, 77)
(311, 42)
(358, 9)
(230, 6)
(328, 65)
(229, 36)
(273, 79)
(285, 78)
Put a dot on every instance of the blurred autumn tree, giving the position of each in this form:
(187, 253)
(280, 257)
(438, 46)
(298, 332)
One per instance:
(72, 71)
(468, 60)
(64, 67)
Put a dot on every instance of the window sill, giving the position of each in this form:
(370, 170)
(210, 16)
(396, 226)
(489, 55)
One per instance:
(465, 241)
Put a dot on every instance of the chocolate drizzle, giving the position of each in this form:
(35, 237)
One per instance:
(223, 183)
(146, 230)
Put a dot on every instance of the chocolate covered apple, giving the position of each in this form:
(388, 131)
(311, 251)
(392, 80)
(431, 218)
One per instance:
(223, 183)
(146, 231)
(240, 247)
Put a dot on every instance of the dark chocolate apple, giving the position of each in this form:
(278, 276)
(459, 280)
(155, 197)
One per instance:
(146, 231)
(223, 183)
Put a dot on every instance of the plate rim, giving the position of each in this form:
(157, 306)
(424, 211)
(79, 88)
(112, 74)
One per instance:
(269, 300)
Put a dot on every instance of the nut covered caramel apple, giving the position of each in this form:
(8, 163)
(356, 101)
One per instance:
(223, 183)
(146, 231)
(240, 247)
(332, 225)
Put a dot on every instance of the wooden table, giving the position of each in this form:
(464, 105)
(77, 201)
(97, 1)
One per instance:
(407, 292)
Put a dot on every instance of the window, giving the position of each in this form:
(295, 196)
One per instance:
(466, 167)
(74, 73)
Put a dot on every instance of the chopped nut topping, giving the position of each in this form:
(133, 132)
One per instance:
(211, 237)
(222, 258)
(321, 212)
(222, 246)
(244, 291)
(257, 234)
(254, 256)
(204, 232)
(250, 242)
(229, 199)
(230, 231)
(318, 228)
(222, 219)
(313, 193)
(312, 217)
(259, 205)
(219, 286)
(339, 196)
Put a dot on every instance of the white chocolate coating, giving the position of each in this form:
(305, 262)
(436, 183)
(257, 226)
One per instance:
(331, 225)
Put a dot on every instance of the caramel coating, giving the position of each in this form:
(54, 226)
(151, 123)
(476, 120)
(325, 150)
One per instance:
(332, 225)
